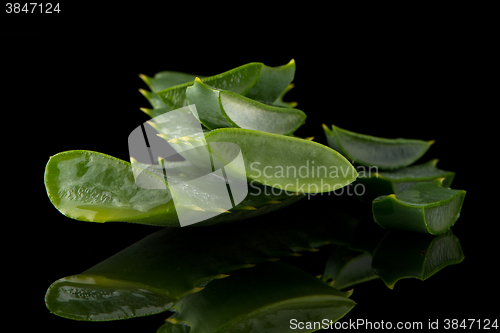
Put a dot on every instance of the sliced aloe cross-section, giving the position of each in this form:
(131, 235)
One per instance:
(425, 207)
(221, 108)
(271, 297)
(380, 182)
(410, 255)
(374, 151)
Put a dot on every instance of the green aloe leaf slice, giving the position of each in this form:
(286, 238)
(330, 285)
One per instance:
(346, 267)
(166, 79)
(265, 298)
(377, 183)
(410, 255)
(254, 80)
(149, 276)
(425, 207)
(286, 163)
(374, 151)
(221, 108)
(91, 186)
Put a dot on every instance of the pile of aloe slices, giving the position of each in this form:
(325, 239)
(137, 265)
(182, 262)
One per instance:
(238, 285)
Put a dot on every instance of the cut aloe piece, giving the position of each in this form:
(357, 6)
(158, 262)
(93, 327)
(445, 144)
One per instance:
(166, 79)
(409, 255)
(346, 268)
(221, 108)
(254, 80)
(271, 297)
(95, 187)
(149, 276)
(377, 183)
(374, 151)
(284, 162)
(425, 207)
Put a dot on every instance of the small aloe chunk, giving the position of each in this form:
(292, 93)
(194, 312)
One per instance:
(221, 108)
(254, 80)
(166, 79)
(425, 207)
(395, 181)
(286, 163)
(374, 151)
(410, 255)
(261, 299)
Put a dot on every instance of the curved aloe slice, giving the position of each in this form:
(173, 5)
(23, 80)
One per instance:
(373, 151)
(152, 274)
(166, 79)
(425, 207)
(408, 255)
(286, 163)
(346, 268)
(91, 186)
(254, 80)
(221, 108)
(261, 299)
(396, 181)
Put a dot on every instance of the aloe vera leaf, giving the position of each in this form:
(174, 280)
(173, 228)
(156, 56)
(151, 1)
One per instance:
(280, 102)
(374, 151)
(152, 274)
(425, 207)
(167, 79)
(286, 163)
(261, 299)
(91, 186)
(221, 108)
(380, 183)
(345, 268)
(403, 254)
(254, 80)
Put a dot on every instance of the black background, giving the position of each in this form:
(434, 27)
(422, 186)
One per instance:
(71, 82)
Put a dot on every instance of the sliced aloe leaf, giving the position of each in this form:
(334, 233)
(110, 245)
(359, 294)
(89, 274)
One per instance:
(374, 151)
(409, 255)
(254, 80)
(152, 274)
(377, 183)
(287, 163)
(221, 108)
(265, 298)
(91, 186)
(279, 101)
(346, 268)
(425, 207)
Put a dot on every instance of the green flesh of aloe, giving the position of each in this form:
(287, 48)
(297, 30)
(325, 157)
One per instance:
(221, 108)
(151, 275)
(395, 181)
(425, 207)
(373, 151)
(410, 255)
(287, 292)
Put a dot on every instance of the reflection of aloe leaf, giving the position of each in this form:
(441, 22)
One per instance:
(373, 151)
(396, 181)
(254, 80)
(346, 268)
(425, 207)
(403, 254)
(152, 274)
(222, 108)
(261, 299)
